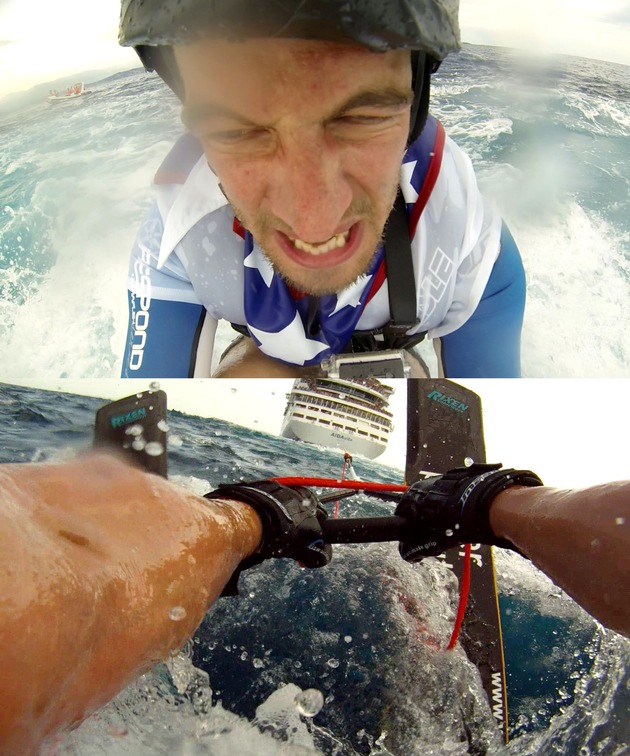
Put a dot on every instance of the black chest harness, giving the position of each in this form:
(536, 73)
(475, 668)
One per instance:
(401, 286)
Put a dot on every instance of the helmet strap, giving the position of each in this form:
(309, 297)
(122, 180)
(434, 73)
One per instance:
(162, 60)
(422, 67)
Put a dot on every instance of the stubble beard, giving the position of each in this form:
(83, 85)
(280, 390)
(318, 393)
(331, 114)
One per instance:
(322, 282)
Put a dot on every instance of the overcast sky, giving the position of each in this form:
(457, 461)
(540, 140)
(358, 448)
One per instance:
(42, 40)
(573, 433)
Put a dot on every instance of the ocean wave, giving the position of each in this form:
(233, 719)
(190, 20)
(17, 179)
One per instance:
(578, 301)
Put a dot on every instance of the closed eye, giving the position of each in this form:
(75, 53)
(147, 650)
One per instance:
(246, 141)
(368, 120)
(235, 135)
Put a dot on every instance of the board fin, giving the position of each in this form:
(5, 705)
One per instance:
(136, 426)
(445, 430)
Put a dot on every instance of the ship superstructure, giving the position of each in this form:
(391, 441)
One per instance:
(349, 415)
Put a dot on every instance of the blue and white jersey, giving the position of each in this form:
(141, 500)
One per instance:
(192, 265)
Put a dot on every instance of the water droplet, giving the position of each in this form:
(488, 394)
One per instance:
(334, 663)
(233, 391)
(177, 613)
(469, 461)
(176, 441)
(154, 449)
(309, 702)
(163, 426)
(347, 638)
(258, 663)
(134, 430)
(244, 655)
(138, 444)
(449, 533)
(620, 520)
(154, 386)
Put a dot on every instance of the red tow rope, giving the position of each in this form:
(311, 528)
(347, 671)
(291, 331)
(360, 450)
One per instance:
(361, 485)
(464, 587)
(357, 485)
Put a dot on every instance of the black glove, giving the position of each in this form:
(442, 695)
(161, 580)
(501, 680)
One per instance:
(291, 522)
(453, 508)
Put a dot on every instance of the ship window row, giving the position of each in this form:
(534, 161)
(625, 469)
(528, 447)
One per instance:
(373, 435)
(339, 425)
(322, 404)
(370, 386)
(376, 426)
(354, 391)
(378, 406)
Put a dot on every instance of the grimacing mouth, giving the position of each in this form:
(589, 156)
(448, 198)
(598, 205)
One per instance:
(335, 242)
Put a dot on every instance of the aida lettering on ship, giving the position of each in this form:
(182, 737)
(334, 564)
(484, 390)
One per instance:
(194, 264)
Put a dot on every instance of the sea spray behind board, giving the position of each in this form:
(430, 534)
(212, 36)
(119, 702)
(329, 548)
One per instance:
(368, 623)
(549, 143)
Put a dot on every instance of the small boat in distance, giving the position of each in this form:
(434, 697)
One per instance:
(70, 93)
(350, 415)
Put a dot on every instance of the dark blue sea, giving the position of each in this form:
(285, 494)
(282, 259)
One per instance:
(549, 140)
(363, 632)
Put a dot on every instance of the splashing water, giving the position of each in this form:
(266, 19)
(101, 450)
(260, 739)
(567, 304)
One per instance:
(309, 702)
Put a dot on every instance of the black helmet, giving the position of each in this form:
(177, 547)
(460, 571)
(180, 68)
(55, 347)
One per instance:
(427, 27)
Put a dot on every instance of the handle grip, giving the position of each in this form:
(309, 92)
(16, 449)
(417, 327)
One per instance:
(364, 529)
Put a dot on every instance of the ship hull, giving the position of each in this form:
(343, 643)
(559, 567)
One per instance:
(336, 438)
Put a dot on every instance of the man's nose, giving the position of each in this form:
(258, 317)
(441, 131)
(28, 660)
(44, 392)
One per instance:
(309, 189)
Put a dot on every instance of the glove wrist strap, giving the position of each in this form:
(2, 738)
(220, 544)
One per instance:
(255, 498)
(475, 488)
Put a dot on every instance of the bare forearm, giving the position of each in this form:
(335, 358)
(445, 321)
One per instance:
(104, 571)
(579, 538)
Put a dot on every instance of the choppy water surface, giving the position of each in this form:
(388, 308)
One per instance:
(549, 141)
(364, 635)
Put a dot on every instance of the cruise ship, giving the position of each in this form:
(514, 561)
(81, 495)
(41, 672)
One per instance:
(349, 415)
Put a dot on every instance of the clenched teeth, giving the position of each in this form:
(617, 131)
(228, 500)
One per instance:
(335, 242)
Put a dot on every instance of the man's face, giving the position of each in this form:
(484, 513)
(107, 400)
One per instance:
(307, 139)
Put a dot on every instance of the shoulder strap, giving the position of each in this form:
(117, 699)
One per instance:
(401, 280)
(427, 151)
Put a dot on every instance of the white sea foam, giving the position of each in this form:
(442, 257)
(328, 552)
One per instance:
(576, 320)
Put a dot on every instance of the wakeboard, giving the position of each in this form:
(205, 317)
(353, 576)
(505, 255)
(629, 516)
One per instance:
(445, 430)
(136, 427)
